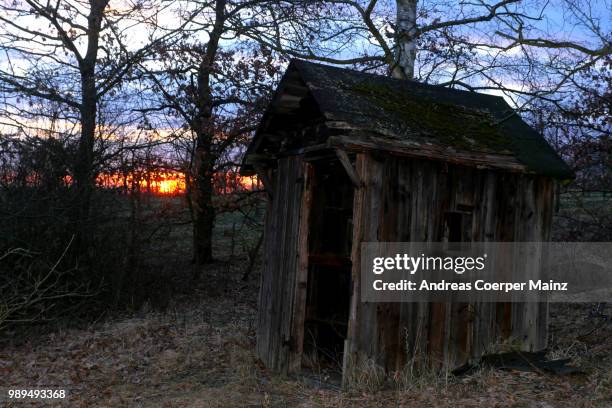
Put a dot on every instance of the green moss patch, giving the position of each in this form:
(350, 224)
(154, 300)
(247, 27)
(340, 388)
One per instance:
(449, 124)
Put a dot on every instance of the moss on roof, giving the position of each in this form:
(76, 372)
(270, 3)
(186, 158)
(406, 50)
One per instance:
(450, 124)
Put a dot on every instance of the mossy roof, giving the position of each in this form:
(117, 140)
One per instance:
(421, 113)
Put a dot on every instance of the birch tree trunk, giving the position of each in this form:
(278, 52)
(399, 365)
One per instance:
(406, 36)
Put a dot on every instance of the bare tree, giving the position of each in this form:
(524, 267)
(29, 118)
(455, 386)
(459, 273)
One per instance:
(466, 44)
(521, 49)
(73, 53)
(212, 84)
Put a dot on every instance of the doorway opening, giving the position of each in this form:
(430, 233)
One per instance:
(329, 283)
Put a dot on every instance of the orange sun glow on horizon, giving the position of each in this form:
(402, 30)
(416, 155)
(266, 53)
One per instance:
(173, 183)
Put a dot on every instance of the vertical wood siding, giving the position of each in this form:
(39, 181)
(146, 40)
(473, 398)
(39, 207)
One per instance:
(408, 200)
(278, 279)
(401, 200)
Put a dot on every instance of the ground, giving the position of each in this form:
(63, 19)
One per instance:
(199, 352)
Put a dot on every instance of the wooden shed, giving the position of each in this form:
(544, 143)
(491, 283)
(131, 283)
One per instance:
(349, 157)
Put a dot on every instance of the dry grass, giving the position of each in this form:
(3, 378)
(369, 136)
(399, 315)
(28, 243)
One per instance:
(200, 353)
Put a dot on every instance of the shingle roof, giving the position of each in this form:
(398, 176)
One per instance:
(421, 114)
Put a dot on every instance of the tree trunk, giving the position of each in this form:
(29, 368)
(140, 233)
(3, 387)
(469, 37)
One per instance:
(84, 166)
(203, 212)
(406, 38)
(83, 174)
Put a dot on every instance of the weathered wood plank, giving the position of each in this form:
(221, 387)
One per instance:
(480, 160)
(278, 278)
(289, 267)
(362, 336)
(264, 314)
(351, 342)
(301, 281)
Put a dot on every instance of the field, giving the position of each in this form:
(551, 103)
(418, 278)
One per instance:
(194, 347)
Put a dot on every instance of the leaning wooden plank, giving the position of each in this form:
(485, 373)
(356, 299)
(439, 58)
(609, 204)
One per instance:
(348, 167)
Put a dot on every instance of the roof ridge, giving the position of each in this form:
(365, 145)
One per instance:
(298, 61)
